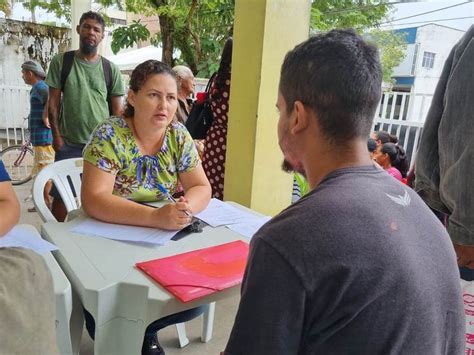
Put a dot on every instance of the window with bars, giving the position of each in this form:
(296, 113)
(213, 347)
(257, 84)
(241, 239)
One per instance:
(428, 60)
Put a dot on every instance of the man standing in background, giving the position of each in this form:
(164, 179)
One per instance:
(40, 131)
(84, 89)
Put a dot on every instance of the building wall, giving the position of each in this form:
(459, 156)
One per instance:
(21, 41)
(434, 39)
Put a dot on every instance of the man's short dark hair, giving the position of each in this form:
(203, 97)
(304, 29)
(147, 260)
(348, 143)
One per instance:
(338, 75)
(93, 16)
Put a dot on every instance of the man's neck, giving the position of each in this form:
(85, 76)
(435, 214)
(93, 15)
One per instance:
(181, 96)
(34, 81)
(320, 164)
(89, 57)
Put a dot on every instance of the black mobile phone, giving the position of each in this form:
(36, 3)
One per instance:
(194, 227)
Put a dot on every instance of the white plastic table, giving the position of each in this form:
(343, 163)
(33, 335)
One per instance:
(122, 299)
(63, 299)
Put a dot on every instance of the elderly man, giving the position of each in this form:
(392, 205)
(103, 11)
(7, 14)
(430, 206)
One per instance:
(359, 265)
(40, 131)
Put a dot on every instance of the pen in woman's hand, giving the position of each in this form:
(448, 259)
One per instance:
(170, 197)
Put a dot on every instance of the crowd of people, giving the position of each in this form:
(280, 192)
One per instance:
(344, 269)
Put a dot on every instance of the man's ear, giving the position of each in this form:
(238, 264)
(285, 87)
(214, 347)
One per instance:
(78, 28)
(300, 118)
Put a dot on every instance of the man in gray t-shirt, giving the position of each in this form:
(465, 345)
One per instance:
(360, 265)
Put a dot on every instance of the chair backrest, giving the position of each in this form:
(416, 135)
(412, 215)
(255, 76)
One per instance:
(66, 175)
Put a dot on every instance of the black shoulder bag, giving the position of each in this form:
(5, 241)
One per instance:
(200, 117)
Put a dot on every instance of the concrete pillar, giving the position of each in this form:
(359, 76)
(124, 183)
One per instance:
(264, 31)
(78, 7)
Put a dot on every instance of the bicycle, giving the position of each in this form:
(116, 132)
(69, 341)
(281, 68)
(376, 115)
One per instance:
(18, 160)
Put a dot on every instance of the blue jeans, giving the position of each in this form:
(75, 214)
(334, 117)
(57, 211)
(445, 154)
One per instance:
(466, 273)
(157, 325)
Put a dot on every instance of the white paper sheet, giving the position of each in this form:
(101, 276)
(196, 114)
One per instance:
(249, 227)
(219, 213)
(94, 228)
(24, 237)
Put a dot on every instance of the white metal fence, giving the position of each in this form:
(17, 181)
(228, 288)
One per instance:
(15, 106)
(403, 114)
(399, 113)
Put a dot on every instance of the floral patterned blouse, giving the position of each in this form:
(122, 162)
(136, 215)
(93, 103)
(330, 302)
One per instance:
(112, 148)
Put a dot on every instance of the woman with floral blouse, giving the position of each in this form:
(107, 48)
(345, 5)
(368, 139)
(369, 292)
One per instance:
(130, 159)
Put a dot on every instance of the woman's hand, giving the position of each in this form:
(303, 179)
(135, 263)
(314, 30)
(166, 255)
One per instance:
(174, 216)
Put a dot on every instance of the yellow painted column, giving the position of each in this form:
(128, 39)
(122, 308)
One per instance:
(264, 31)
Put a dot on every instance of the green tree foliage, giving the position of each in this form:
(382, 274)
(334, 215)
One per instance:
(124, 37)
(5, 7)
(60, 8)
(192, 32)
(196, 28)
(358, 14)
(392, 50)
(364, 16)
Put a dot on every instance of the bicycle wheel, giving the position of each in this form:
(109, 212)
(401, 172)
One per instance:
(20, 173)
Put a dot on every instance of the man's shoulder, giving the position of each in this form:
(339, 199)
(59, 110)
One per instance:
(57, 59)
(113, 66)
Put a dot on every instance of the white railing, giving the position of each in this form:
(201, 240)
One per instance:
(14, 108)
(399, 113)
(403, 114)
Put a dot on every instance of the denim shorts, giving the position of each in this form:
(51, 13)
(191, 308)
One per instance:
(67, 151)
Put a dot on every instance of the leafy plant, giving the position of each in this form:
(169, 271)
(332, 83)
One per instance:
(124, 37)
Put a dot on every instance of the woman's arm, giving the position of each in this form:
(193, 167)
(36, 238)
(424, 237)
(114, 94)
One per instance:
(99, 202)
(197, 189)
(9, 207)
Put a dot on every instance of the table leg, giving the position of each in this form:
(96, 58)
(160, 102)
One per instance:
(119, 336)
(208, 323)
(76, 323)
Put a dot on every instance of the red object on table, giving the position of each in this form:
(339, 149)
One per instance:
(199, 273)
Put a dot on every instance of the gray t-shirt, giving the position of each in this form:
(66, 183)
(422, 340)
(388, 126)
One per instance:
(360, 265)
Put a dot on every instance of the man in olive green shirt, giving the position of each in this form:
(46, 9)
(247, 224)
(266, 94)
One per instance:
(84, 102)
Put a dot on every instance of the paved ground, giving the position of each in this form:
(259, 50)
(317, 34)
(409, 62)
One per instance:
(224, 316)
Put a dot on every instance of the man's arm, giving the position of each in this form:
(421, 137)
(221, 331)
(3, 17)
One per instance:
(45, 114)
(9, 207)
(117, 107)
(54, 106)
(272, 307)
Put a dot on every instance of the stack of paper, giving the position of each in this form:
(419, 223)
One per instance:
(23, 237)
(219, 213)
(121, 232)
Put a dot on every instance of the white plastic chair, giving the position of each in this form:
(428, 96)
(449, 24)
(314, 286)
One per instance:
(62, 173)
(69, 171)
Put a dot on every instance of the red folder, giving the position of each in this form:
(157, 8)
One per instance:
(199, 273)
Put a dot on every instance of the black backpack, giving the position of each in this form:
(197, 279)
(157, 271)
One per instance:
(107, 67)
(200, 117)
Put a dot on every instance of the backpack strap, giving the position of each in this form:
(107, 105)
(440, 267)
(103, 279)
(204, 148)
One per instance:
(68, 59)
(107, 67)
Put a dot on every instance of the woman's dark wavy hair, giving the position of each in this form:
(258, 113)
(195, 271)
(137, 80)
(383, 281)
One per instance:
(386, 137)
(398, 157)
(141, 74)
(225, 64)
